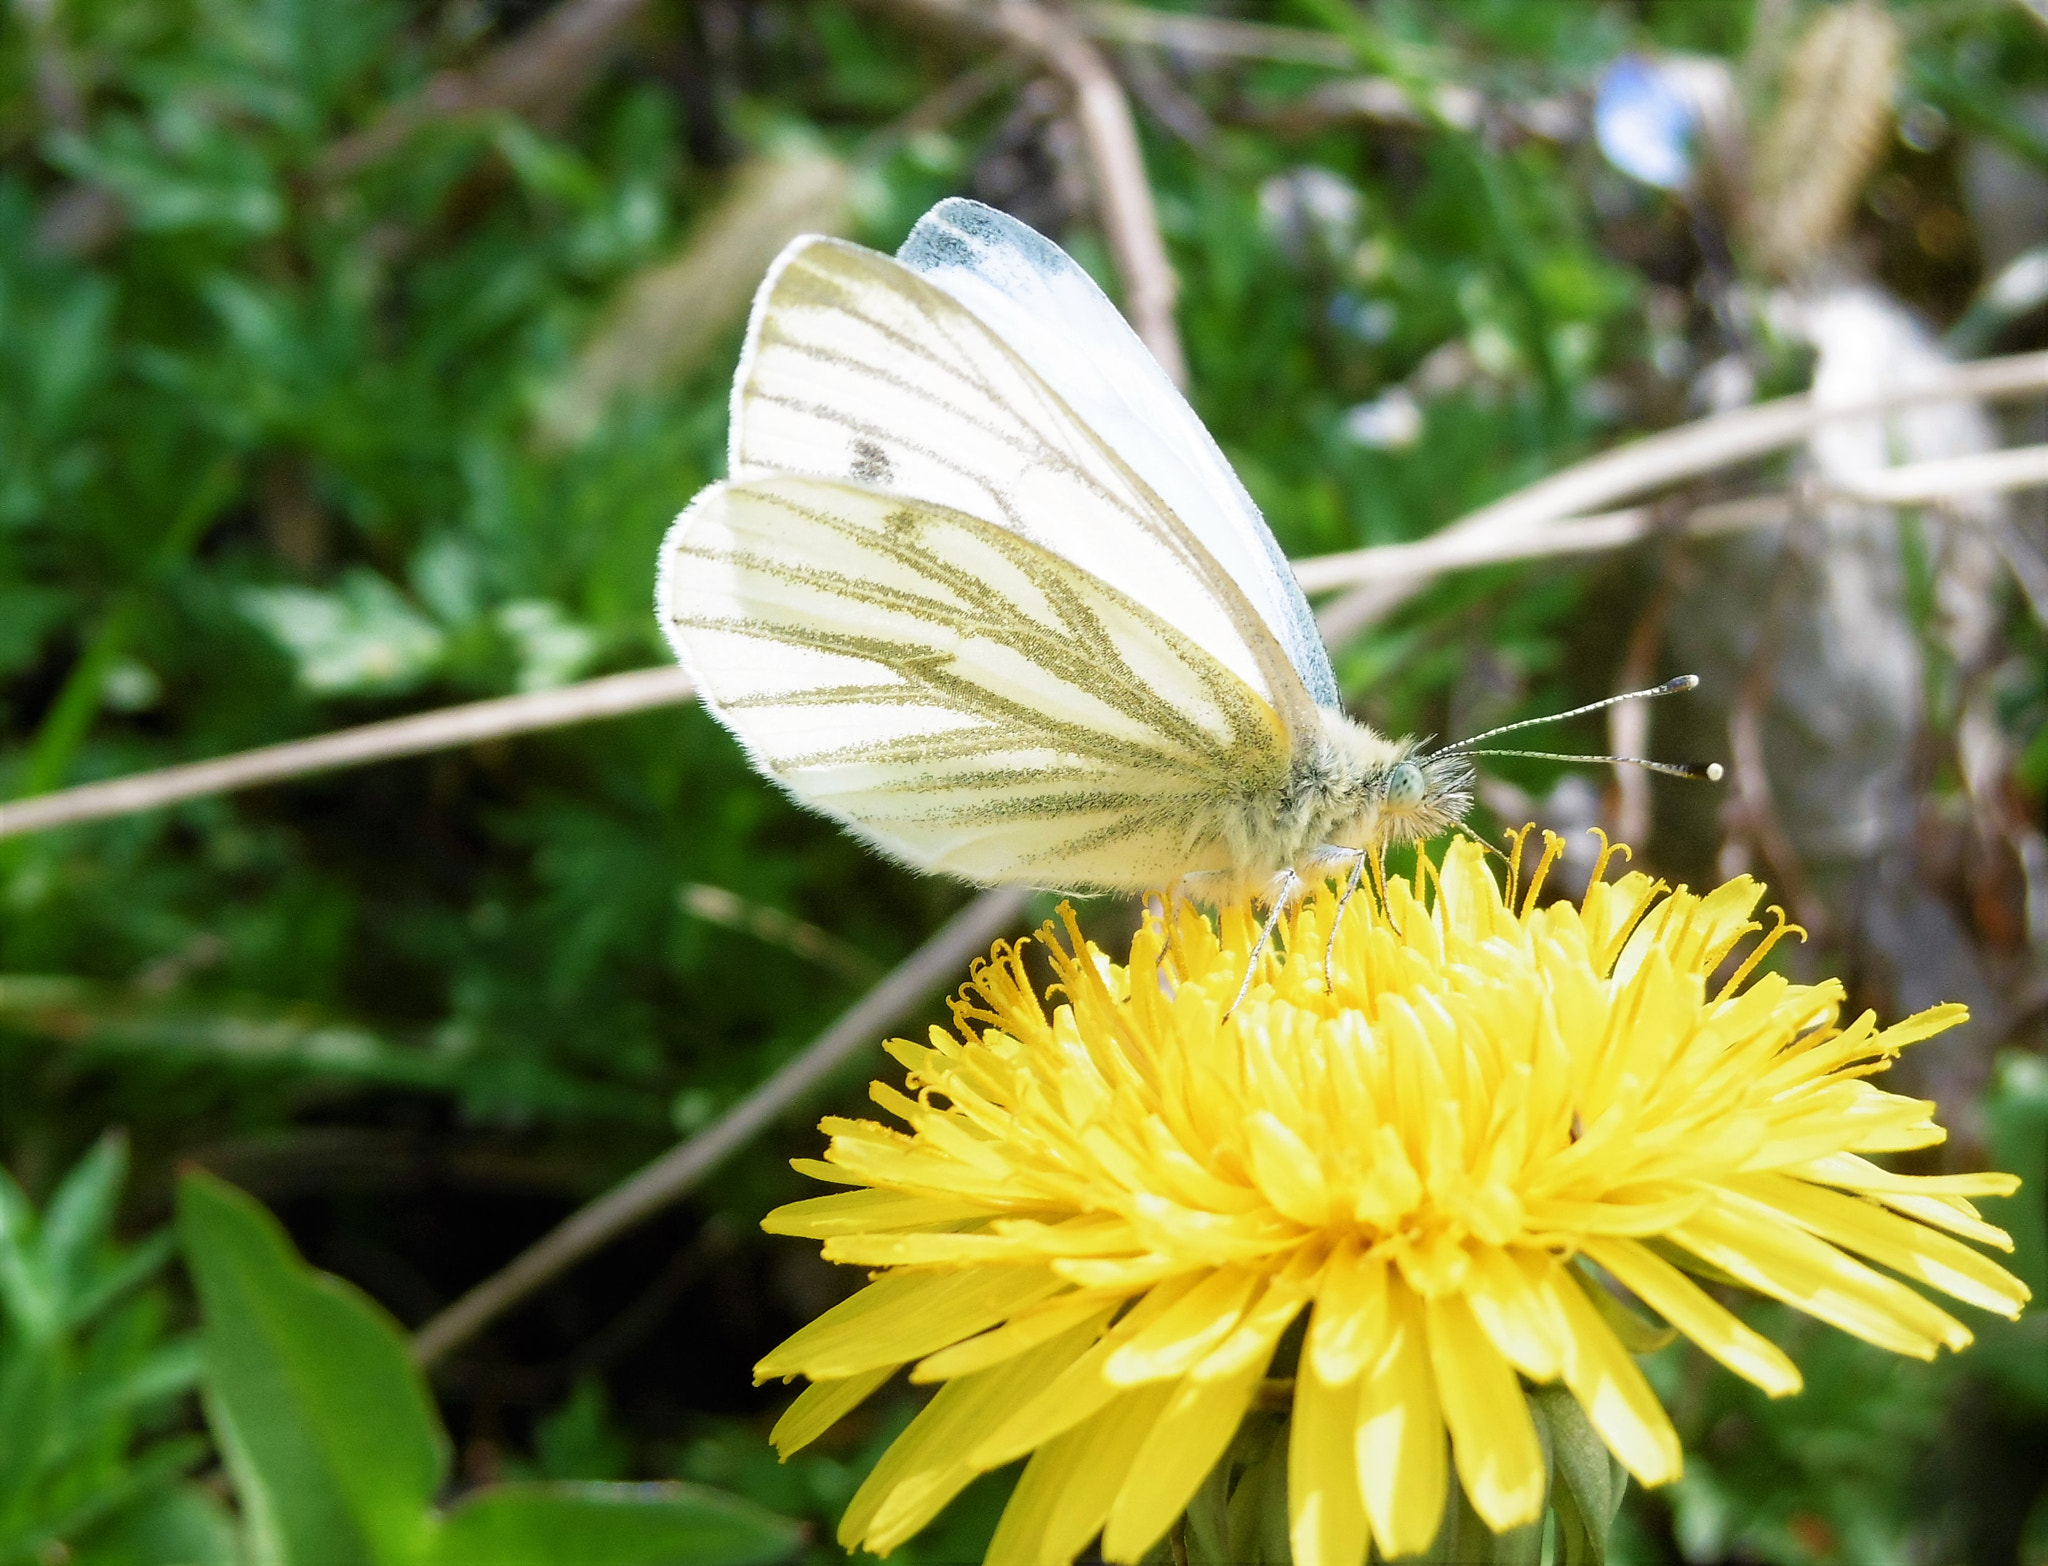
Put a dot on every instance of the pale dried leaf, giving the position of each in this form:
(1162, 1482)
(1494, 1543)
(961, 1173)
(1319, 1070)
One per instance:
(667, 318)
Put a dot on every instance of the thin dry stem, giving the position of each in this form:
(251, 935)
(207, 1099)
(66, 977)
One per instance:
(1123, 195)
(547, 63)
(1628, 724)
(1671, 457)
(1457, 548)
(427, 731)
(677, 1172)
(1216, 36)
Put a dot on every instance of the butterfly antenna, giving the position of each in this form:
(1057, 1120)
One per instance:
(1684, 682)
(1705, 771)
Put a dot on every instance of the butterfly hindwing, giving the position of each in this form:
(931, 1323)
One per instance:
(963, 698)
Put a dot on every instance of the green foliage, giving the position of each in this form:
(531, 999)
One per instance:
(336, 1451)
(90, 1381)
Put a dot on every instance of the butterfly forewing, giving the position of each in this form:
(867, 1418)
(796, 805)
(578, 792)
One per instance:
(962, 697)
(1032, 295)
(856, 368)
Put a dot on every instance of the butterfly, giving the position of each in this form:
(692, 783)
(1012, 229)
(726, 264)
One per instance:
(980, 586)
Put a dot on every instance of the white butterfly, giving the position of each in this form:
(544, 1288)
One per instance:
(981, 587)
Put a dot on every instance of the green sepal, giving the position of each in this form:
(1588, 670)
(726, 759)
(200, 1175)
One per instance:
(1639, 1334)
(1239, 1515)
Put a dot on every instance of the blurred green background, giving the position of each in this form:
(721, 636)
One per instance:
(352, 362)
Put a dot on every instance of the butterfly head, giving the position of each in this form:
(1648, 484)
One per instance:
(1420, 795)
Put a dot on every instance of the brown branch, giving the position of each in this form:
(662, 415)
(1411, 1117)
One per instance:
(677, 1172)
(1216, 36)
(1123, 195)
(548, 63)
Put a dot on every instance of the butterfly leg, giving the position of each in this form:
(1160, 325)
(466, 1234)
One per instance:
(1351, 885)
(1284, 886)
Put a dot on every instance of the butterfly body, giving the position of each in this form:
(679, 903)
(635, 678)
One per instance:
(981, 587)
(1347, 788)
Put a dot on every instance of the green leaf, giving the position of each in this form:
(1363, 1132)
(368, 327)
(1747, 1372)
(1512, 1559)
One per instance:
(116, 1276)
(184, 1526)
(150, 1475)
(328, 1431)
(608, 1525)
(79, 1218)
(579, 1440)
(24, 1287)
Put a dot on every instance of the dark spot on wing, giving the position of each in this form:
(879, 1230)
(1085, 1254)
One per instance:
(870, 462)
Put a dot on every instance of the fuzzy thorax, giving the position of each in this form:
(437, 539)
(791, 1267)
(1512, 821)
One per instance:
(1348, 787)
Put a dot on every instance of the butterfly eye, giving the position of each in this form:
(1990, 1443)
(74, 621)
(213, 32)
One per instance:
(1405, 787)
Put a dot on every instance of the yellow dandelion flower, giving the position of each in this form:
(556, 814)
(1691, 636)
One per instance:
(1105, 1215)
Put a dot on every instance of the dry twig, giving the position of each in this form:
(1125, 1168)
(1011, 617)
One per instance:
(1123, 194)
(1704, 446)
(676, 1173)
(1217, 36)
(444, 729)
(547, 63)
(1945, 478)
